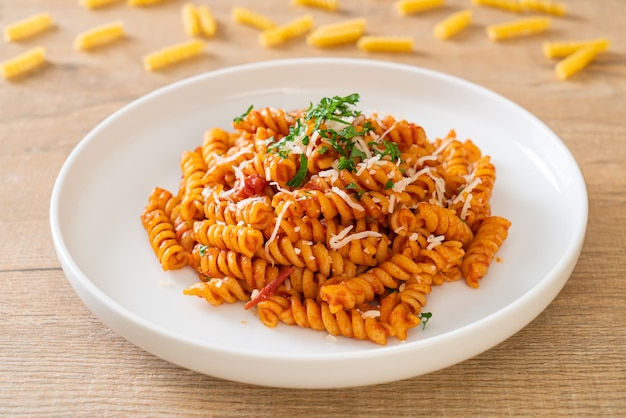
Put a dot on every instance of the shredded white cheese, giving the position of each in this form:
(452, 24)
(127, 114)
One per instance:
(226, 160)
(433, 241)
(466, 206)
(370, 314)
(347, 199)
(467, 190)
(279, 188)
(341, 239)
(279, 219)
(392, 203)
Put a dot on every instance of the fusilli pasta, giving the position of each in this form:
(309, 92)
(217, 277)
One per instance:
(351, 244)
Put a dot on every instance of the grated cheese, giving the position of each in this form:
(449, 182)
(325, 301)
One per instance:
(370, 314)
(341, 239)
(280, 189)
(248, 201)
(312, 142)
(392, 203)
(279, 219)
(367, 164)
(467, 190)
(433, 241)
(331, 173)
(442, 146)
(466, 206)
(347, 199)
(422, 160)
(219, 160)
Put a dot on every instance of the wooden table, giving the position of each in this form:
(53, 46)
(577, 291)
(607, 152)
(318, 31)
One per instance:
(57, 358)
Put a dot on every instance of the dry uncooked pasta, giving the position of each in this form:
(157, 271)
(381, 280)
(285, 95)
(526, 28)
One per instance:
(23, 64)
(453, 24)
(560, 49)
(208, 24)
(173, 55)
(190, 19)
(576, 61)
(293, 29)
(509, 5)
(96, 4)
(330, 5)
(101, 35)
(142, 3)
(334, 34)
(252, 18)
(407, 7)
(518, 28)
(396, 44)
(328, 218)
(28, 27)
(545, 6)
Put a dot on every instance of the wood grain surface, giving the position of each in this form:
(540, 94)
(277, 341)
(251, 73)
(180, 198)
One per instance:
(58, 359)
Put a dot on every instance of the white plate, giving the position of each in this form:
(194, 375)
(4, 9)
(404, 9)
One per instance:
(104, 184)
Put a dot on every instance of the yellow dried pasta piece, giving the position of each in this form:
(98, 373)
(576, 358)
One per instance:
(28, 27)
(190, 19)
(385, 44)
(330, 5)
(337, 33)
(24, 63)
(141, 3)
(292, 29)
(173, 54)
(98, 36)
(560, 49)
(96, 4)
(509, 5)
(251, 18)
(545, 6)
(575, 62)
(208, 24)
(517, 28)
(407, 7)
(453, 24)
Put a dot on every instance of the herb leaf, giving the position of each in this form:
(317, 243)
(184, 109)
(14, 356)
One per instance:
(240, 118)
(298, 179)
(425, 317)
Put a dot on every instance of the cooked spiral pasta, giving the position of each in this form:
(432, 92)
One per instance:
(327, 218)
(483, 248)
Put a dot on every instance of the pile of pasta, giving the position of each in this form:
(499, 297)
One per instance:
(327, 218)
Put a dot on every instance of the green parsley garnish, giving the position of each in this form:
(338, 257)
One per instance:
(202, 249)
(298, 179)
(389, 184)
(243, 115)
(390, 148)
(425, 317)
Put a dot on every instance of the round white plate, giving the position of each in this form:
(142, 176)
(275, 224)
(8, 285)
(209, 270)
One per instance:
(103, 249)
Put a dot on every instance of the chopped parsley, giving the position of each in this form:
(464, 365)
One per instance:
(240, 118)
(202, 249)
(390, 148)
(425, 317)
(298, 179)
(342, 136)
(389, 184)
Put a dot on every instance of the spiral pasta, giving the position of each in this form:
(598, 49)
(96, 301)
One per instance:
(327, 218)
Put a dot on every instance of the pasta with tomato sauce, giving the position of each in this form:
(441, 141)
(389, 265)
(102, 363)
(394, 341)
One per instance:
(328, 218)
